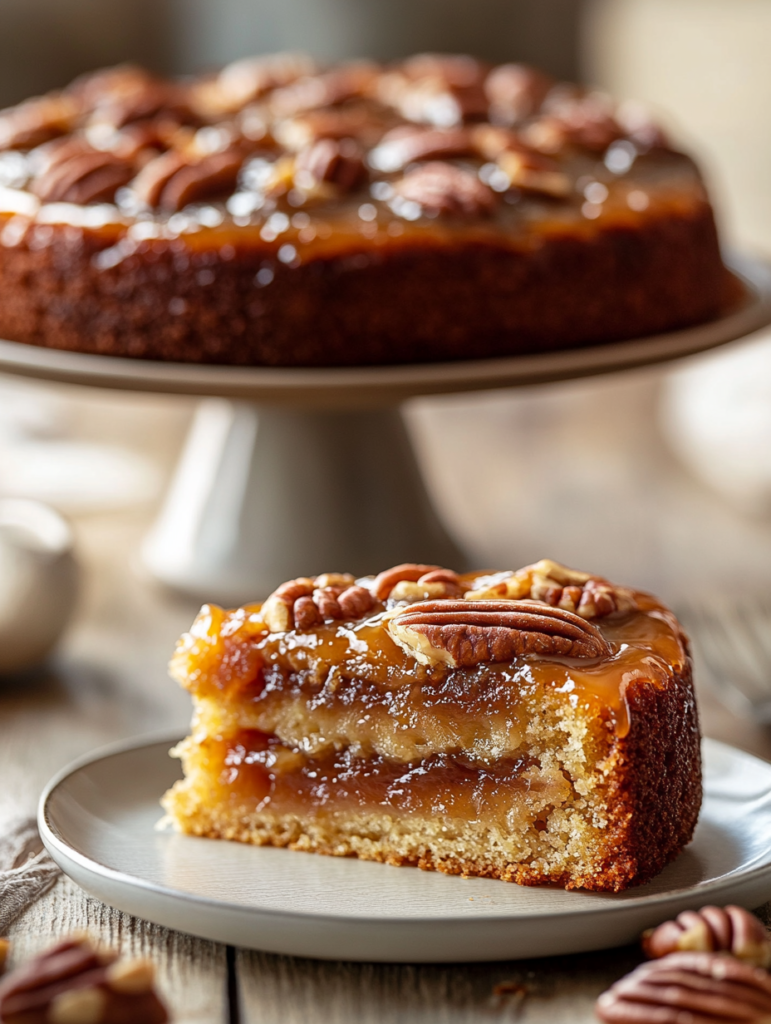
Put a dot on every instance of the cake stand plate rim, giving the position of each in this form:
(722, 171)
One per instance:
(363, 386)
(481, 932)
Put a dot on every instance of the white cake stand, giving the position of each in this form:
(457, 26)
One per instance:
(291, 472)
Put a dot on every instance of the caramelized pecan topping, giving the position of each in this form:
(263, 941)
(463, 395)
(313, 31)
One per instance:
(554, 584)
(698, 988)
(443, 90)
(324, 90)
(139, 97)
(309, 601)
(405, 145)
(441, 188)
(75, 984)
(245, 80)
(585, 120)
(515, 92)
(729, 929)
(525, 168)
(352, 122)
(466, 633)
(336, 163)
(175, 179)
(70, 171)
(412, 582)
(37, 121)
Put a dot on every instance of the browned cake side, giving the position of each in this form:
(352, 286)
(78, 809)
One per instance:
(460, 724)
(282, 214)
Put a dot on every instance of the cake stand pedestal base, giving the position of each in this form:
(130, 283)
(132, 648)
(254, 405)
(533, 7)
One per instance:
(263, 494)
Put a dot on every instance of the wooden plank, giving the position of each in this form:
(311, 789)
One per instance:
(192, 974)
(288, 990)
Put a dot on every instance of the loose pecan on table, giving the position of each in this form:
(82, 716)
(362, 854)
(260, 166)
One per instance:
(466, 633)
(689, 988)
(74, 983)
(309, 601)
(728, 929)
(441, 188)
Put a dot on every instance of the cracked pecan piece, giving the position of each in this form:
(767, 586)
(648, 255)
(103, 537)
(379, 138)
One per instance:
(697, 988)
(466, 633)
(413, 582)
(728, 929)
(311, 600)
(74, 983)
(588, 596)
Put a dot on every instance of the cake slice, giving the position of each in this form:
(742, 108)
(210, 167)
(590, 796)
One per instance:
(536, 726)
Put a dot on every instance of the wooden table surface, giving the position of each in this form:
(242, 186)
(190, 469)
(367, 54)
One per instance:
(577, 472)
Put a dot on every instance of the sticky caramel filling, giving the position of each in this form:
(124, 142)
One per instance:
(254, 773)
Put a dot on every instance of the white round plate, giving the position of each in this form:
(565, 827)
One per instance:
(98, 820)
(361, 387)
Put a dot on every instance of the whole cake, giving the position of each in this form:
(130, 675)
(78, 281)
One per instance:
(536, 726)
(280, 213)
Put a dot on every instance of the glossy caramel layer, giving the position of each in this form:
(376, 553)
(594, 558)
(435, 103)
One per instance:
(351, 684)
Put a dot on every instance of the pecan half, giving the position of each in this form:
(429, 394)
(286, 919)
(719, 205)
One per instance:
(309, 601)
(556, 585)
(408, 143)
(245, 80)
(407, 572)
(695, 987)
(325, 90)
(336, 163)
(465, 633)
(174, 179)
(515, 92)
(351, 122)
(441, 188)
(69, 170)
(73, 983)
(443, 90)
(37, 121)
(729, 929)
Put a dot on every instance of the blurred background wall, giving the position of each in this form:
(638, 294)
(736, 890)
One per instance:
(44, 43)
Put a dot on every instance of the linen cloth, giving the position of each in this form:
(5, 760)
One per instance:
(26, 870)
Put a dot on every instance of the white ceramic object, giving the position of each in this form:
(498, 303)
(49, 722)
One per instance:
(716, 415)
(98, 820)
(38, 582)
(311, 470)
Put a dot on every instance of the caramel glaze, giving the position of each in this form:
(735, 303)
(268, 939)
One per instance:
(660, 185)
(442, 725)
